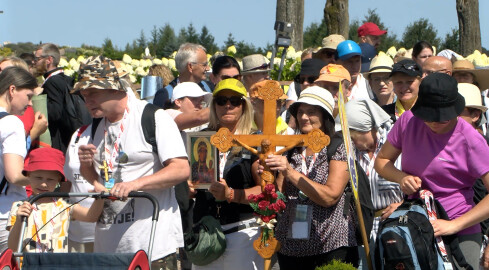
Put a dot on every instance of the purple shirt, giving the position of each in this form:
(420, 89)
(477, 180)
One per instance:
(448, 164)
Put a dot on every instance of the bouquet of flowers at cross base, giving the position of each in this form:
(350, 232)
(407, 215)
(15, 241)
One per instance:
(267, 205)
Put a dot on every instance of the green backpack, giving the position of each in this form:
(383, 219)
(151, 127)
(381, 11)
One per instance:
(206, 242)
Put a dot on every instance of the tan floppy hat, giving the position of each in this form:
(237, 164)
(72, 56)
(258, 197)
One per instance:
(380, 63)
(481, 75)
(330, 42)
(472, 96)
(254, 63)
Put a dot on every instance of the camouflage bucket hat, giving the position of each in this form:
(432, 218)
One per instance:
(98, 72)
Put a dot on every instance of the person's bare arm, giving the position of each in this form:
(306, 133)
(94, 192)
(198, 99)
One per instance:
(193, 119)
(14, 164)
(472, 217)
(325, 195)
(85, 155)
(13, 238)
(175, 171)
(39, 127)
(91, 214)
(384, 165)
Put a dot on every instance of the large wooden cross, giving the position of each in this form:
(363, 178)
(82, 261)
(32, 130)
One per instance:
(268, 141)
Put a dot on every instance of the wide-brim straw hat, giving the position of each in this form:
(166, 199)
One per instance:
(254, 63)
(481, 75)
(472, 96)
(381, 63)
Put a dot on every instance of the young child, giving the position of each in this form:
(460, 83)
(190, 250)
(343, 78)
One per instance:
(45, 170)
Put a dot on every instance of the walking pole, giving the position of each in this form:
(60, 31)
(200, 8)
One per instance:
(353, 172)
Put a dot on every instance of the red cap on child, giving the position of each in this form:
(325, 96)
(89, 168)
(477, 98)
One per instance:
(46, 159)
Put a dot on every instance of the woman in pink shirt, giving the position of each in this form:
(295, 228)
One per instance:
(440, 153)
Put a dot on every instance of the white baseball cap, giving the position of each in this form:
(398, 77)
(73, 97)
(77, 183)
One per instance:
(190, 89)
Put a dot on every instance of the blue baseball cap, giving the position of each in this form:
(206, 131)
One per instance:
(348, 49)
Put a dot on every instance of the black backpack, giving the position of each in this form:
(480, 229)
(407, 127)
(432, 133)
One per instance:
(364, 193)
(182, 190)
(77, 114)
(406, 239)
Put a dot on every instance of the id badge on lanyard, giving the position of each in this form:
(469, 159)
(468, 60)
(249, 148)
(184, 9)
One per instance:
(300, 223)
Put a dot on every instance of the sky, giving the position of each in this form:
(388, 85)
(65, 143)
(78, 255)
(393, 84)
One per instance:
(72, 23)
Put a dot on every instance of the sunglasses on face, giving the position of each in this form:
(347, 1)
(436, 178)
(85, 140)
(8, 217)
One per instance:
(410, 67)
(234, 100)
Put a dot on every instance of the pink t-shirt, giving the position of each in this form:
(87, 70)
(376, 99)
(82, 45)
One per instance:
(448, 164)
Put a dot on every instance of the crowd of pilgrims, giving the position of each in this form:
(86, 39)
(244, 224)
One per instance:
(417, 122)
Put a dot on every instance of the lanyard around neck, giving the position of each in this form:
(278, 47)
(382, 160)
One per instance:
(110, 155)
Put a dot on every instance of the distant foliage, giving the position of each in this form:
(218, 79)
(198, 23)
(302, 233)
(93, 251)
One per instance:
(452, 41)
(314, 34)
(421, 29)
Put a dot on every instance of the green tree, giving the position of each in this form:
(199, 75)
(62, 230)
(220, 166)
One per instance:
(419, 30)
(182, 36)
(206, 39)
(154, 40)
(192, 35)
(167, 42)
(108, 49)
(142, 40)
(229, 42)
(314, 34)
(451, 41)
(352, 32)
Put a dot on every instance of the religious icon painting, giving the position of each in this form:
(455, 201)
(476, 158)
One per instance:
(202, 156)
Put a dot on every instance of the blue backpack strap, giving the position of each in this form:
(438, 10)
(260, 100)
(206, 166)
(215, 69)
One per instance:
(205, 86)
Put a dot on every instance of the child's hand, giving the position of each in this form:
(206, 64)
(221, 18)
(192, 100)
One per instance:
(24, 210)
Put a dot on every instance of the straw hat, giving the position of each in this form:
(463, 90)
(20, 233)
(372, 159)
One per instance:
(481, 75)
(380, 63)
(472, 96)
(254, 63)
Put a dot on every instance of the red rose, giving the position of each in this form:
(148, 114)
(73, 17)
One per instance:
(260, 196)
(273, 206)
(263, 205)
(269, 188)
(280, 204)
(252, 198)
(274, 195)
(265, 219)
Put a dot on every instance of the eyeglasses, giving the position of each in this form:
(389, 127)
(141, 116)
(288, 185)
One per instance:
(37, 58)
(237, 77)
(204, 64)
(309, 79)
(234, 100)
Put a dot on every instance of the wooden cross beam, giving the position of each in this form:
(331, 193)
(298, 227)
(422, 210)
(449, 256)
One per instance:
(224, 139)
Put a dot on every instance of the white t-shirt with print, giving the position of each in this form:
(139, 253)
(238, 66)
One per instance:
(124, 227)
(81, 232)
(12, 141)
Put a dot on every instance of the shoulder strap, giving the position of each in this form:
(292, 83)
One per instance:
(95, 123)
(334, 144)
(148, 124)
(80, 132)
(3, 114)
